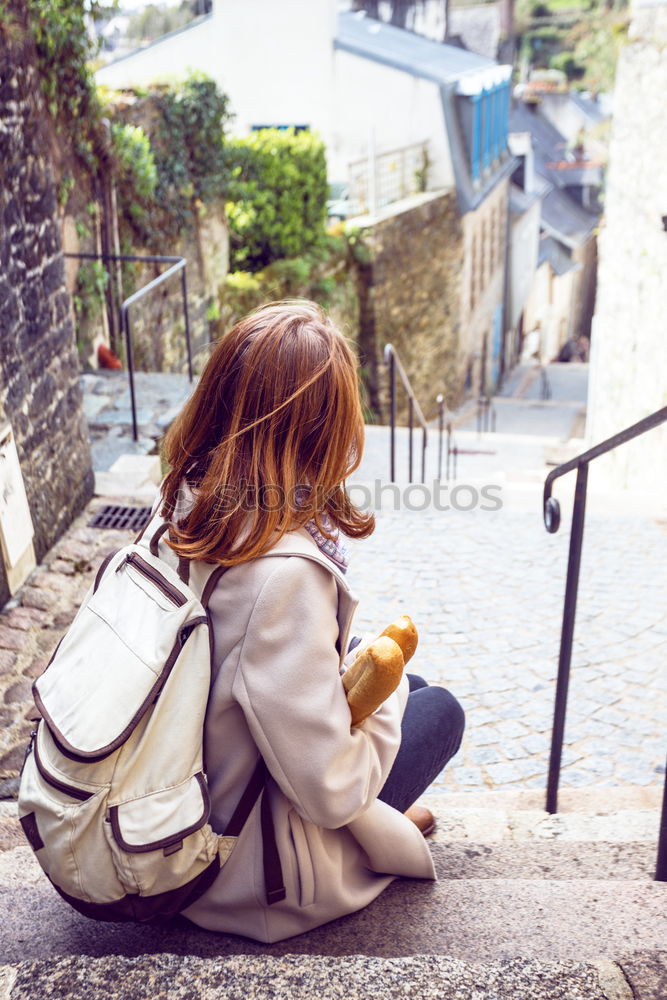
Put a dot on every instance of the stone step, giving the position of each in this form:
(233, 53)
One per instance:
(545, 859)
(303, 977)
(614, 816)
(492, 824)
(476, 913)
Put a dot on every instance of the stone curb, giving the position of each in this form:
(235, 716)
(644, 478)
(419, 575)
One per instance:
(298, 977)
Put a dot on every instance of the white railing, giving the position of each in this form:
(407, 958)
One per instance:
(382, 178)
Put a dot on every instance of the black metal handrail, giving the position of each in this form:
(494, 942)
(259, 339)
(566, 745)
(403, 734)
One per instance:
(178, 264)
(452, 450)
(551, 512)
(393, 362)
(485, 409)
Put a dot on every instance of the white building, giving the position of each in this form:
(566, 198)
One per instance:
(364, 86)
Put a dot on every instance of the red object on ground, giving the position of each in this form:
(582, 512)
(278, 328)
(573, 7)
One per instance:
(107, 358)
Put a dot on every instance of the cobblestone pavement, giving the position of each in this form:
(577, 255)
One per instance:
(32, 624)
(106, 402)
(485, 589)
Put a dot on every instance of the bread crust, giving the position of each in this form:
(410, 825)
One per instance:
(404, 633)
(374, 675)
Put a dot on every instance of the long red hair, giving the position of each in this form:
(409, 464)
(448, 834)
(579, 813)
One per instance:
(267, 438)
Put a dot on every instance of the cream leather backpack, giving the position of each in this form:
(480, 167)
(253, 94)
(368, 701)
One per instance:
(113, 796)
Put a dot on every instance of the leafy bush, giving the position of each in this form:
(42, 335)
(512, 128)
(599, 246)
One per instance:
(188, 148)
(278, 196)
(136, 173)
(322, 275)
(566, 63)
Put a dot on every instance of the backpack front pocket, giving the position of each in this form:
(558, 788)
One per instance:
(173, 821)
(114, 661)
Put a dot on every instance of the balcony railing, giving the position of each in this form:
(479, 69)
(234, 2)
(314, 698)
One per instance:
(382, 178)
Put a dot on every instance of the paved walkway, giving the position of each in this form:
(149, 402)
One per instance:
(106, 399)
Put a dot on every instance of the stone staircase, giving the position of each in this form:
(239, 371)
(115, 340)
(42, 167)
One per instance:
(527, 906)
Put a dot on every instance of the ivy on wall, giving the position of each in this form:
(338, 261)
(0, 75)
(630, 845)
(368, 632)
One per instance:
(63, 45)
(187, 144)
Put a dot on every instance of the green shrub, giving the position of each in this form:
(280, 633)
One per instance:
(322, 275)
(278, 196)
(136, 173)
(566, 63)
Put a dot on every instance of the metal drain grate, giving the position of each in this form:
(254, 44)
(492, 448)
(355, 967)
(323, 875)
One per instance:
(113, 516)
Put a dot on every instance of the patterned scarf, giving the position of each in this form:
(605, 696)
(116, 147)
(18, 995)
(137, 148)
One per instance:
(333, 548)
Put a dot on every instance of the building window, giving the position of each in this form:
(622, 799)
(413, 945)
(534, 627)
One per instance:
(280, 128)
(488, 127)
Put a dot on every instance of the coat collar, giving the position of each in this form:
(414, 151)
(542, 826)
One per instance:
(301, 543)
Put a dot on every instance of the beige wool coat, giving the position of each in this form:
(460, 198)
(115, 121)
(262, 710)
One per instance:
(281, 626)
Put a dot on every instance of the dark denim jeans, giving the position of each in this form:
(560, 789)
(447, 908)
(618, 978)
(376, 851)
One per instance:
(432, 730)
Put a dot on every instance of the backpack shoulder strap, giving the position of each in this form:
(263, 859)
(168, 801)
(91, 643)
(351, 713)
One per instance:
(201, 577)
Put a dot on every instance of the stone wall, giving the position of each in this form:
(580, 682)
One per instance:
(39, 370)
(409, 296)
(629, 346)
(158, 324)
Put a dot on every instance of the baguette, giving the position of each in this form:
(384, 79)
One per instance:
(374, 675)
(404, 633)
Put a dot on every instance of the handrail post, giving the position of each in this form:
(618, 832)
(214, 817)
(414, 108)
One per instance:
(184, 292)
(567, 633)
(440, 400)
(424, 443)
(661, 864)
(410, 423)
(126, 327)
(392, 416)
(394, 365)
(449, 449)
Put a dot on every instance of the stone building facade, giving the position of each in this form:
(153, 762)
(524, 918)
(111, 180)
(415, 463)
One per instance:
(40, 396)
(629, 346)
(483, 290)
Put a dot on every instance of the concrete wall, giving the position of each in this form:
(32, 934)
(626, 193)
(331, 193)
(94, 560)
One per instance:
(523, 261)
(39, 367)
(274, 60)
(409, 296)
(549, 308)
(288, 73)
(629, 344)
(400, 110)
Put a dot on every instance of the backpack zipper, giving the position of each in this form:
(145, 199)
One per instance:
(76, 793)
(170, 592)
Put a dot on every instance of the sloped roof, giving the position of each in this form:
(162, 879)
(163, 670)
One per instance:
(521, 201)
(590, 108)
(551, 251)
(414, 54)
(550, 148)
(562, 216)
(565, 219)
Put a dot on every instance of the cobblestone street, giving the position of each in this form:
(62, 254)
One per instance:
(485, 589)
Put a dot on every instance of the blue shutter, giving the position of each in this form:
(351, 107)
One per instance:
(476, 137)
(486, 106)
(497, 118)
